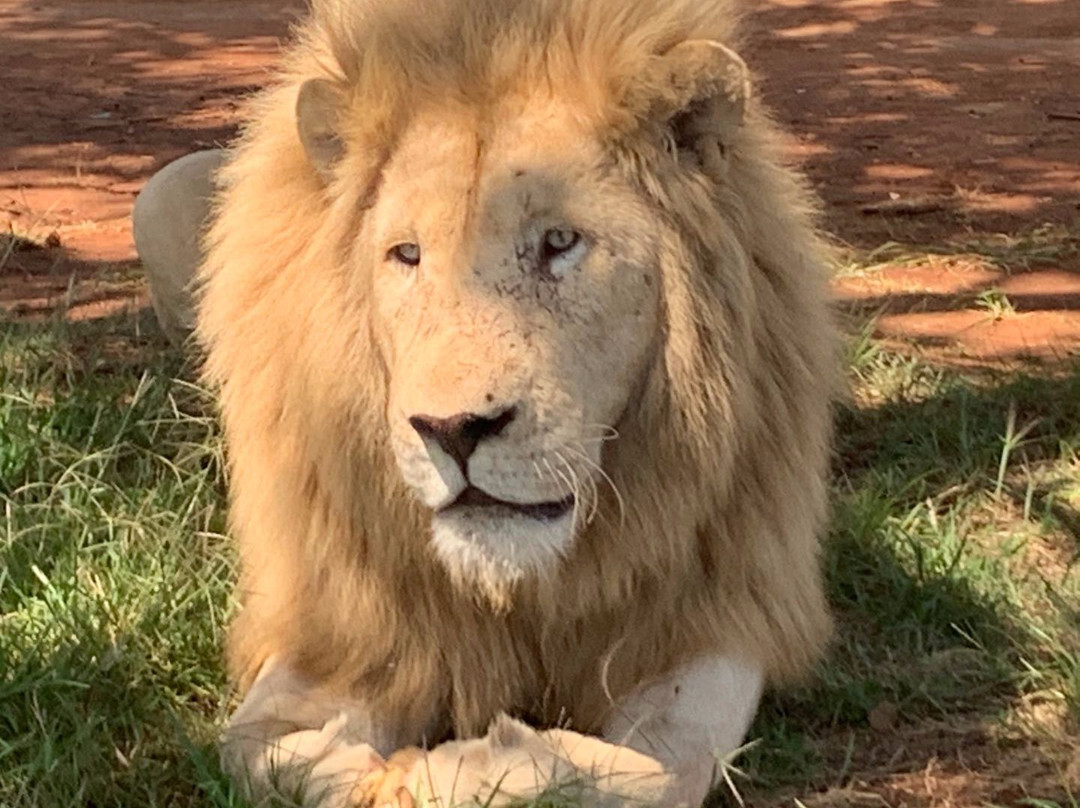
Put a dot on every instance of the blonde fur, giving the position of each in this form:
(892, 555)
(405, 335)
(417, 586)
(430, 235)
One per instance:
(721, 466)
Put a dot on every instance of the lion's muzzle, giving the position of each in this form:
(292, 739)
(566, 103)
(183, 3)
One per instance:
(457, 438)
(495, 515)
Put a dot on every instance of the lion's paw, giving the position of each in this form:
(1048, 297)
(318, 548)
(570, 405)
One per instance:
(388, 783)
(515, 763)
(322, 763)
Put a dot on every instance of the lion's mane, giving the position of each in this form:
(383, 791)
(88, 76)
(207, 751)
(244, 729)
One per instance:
(721, 465)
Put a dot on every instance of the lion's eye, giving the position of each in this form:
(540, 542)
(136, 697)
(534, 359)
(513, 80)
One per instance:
(559, 240)
(407, 253)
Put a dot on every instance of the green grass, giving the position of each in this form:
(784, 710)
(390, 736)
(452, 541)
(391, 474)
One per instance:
(114, 574)
(949, 563)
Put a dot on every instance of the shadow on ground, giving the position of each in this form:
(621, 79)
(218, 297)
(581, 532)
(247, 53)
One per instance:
(100, 94)
(42, 279)
(965, 111)
(933, 647)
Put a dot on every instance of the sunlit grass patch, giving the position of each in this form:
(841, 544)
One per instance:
(113, 572)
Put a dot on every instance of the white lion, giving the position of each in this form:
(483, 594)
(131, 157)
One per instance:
(524, 357)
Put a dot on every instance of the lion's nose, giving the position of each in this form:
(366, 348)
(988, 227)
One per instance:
(460, 434)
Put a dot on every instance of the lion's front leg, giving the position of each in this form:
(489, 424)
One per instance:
(690, 722)
(661, 748)
(290, 738)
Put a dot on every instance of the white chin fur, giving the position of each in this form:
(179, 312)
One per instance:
(492, 549)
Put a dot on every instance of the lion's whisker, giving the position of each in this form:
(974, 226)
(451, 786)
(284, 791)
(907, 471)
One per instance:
(580, 453)
(569, 484)
(599, 439)
(540, 475)
(572, 483)
(591, 492)
(580, 494)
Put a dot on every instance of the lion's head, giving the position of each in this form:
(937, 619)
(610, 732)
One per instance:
(522, 281)
(513, 268)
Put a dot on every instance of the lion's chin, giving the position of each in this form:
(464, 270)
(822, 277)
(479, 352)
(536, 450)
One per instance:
(490, 550)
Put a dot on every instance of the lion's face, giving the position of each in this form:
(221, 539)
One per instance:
(515, 290)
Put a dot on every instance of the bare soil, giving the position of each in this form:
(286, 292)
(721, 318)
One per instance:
(965, 109)
(927, 121)
(94, 98)
(919, 121)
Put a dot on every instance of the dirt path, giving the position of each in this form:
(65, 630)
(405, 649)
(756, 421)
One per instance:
(917, 121)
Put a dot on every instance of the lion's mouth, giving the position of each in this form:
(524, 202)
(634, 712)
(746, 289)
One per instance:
(473, 497)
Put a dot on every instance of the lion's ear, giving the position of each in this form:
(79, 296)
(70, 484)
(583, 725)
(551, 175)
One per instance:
(700, 89)
(318, 109)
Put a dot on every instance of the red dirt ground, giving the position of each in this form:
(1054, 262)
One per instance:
(917, 121)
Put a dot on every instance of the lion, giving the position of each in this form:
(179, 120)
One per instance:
(520, 330)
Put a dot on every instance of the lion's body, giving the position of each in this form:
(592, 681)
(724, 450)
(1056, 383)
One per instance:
(167, 222)
(720, 463)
